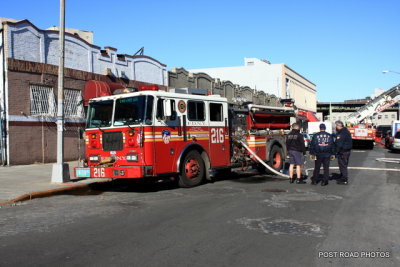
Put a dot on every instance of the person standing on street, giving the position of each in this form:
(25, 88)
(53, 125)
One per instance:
(296, 149)
(343, 144)
(321, 149)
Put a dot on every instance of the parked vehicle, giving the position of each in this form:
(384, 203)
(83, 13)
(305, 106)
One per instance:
(381, 130)
(361, 131)
(389, 138)
(179, 134)
(395, 126)
(396, 142)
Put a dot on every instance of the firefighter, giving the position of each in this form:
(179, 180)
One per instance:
(343, 144)
(322, 150)
(296, 149)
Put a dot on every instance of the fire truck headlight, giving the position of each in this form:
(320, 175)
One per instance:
(94, 158)
(132, 157)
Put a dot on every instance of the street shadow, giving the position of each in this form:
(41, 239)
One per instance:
(361, 146)
(74, 180)
(134, 186)
(334, 176)
(250, 176)
(157, 185)
(259, 179)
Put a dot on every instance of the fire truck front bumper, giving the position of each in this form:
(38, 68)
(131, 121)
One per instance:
(123, 172)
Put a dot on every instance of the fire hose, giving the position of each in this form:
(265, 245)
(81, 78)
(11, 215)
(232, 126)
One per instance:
(262, 162)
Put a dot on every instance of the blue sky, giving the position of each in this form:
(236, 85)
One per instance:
(340, 45)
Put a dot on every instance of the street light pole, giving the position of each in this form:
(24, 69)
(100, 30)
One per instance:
(60, 173)
(386, 71)
(398, 102)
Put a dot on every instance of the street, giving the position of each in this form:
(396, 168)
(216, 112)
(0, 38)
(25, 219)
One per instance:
(235, 221)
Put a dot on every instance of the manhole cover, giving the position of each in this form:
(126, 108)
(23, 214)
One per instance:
(282, 226)
(274, 190)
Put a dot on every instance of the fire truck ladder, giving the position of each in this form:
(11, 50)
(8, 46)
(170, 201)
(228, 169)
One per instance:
(378, 104)
(262, 162)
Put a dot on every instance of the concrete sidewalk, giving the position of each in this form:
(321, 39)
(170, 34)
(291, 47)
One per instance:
(19, 183)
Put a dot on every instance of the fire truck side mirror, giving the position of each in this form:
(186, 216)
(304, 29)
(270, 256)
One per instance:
(167, 108)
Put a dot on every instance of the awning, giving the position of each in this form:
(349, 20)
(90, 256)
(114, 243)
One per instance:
(309, 116)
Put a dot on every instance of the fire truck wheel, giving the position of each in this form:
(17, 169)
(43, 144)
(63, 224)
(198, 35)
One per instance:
(276, 159)
(371, 145)
(192, 170)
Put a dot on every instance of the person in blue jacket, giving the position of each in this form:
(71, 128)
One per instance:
(344, 144)
(322, 147)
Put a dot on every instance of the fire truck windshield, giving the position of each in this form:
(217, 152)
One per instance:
(127, 111)
(100, 114)
(133, 110)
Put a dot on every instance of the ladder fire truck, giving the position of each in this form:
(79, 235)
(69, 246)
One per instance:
(180, 133)
(364, 133)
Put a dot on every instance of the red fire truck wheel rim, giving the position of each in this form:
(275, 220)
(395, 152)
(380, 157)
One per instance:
(192, 168)
(277, 160)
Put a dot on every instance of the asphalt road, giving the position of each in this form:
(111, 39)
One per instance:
(242, 221)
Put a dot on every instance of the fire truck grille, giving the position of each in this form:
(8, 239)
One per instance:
(112, 141)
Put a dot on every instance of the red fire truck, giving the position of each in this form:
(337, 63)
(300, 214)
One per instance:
(153, 133)
(364, 133)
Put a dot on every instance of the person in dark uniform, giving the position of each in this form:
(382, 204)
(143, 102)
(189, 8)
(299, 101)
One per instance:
(343, 144)
(322, 148)
(296, 149)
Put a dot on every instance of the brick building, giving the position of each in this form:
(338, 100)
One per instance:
(28, 88)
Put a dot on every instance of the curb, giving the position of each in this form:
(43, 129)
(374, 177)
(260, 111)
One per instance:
(50, 192)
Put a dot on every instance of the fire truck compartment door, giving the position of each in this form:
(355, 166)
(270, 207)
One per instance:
(166, 131)
(219, 137)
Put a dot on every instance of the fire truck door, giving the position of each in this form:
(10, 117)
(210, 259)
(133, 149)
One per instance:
(166, 133)
(219, 136)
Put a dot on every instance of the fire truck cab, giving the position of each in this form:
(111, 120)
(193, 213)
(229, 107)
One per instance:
(152, 133)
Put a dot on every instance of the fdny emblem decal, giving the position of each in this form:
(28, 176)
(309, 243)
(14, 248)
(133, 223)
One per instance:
(166, 136)
(181, 106)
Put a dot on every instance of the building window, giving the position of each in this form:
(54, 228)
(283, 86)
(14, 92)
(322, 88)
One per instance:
(73, 103)
(287, 88)
(393, 116)
(42, 101)
(386, 116)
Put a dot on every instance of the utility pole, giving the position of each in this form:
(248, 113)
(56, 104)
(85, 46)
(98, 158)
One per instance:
(60, 173)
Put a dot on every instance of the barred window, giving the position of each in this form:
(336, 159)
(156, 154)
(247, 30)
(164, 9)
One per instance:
(42, 101)
(73, 103)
